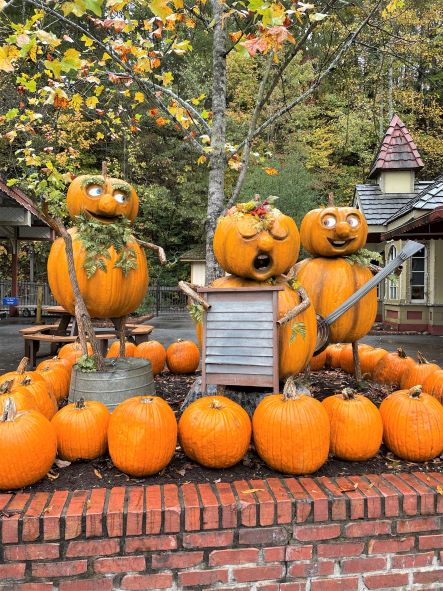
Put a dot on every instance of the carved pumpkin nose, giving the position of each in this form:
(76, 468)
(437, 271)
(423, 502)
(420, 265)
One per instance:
(343, 230)
(108, 205)
(265, 242)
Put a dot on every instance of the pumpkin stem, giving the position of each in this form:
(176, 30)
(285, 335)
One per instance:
(5, 388)
(415, 392)
(290, 391)
(401, 353)
(147, 400)
(26, 381)
(80, 403)
(22, 365)
(421, 358)
(216, 404)
(331, 202)
(348, 394)
(9, 410)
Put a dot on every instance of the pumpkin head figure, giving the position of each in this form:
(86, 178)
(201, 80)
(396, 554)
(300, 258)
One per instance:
(333, 231)
(103, 198)
(256, 241)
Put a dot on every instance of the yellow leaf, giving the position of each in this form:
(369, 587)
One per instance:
(48, 38)
(91, 102)
(439, 489)
(76, 101)
(87, 40)
(98, 473)
(234, 37)
(99, 135)
(250, 491)
(271, 171)
(8, 53)
(167, 78)
(201, 160)
(139, 97)
(160, 8)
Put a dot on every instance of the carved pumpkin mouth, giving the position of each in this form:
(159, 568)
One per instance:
(262, 262)
(105, 219)
(340, 243)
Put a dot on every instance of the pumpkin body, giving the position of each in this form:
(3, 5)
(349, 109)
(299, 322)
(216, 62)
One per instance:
(108, 293)
(356, 427)
(57, 377)
(347, 356)
(142, 435)
(412, 425)
(329, 282)
(293, 356)
(333, 354)
(369, 359)
(36, 386)
(114, 349)
(333, 231)
(71, 352)
(291, 436)
(391, 367)
(433, 385)
(154, 352)
(318, 361)
(23, 399)
(81, 429)
(417, 374)
(215, 432)
(182, 357)
(28, 447)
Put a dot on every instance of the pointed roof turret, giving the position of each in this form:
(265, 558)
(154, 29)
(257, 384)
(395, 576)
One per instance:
(398, 150)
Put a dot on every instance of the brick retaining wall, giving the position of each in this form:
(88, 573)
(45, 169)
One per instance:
(288, 534)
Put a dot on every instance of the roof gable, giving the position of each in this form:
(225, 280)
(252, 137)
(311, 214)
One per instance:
(398, 150)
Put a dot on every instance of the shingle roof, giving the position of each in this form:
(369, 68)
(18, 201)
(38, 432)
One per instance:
(398, 150)
(196, 253)
(430, 197)
(379, 207)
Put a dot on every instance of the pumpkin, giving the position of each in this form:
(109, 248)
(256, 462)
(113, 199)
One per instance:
(356, 426)
(82, 430)
(154, 352)
(109, 293)
(27, 447)
(23, 399)
(413, 424)
(391, 367)
(369, 359)
(418, 373)
(57, 377)
(295, 350)
(333, 231)
(256, 241)
(291, 431)
(329, 282)
(142, 435)
(215, 432)
(72, 351)
(114, 349)
(18, 375)
(346, 359)
(318, 361)
(333, 354)
(182, 357)
(104, 199)
(433, 385)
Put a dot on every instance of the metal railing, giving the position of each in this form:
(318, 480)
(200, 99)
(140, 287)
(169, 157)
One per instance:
(27, 294)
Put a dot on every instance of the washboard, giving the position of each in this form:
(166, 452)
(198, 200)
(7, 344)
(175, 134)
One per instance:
(240, 342)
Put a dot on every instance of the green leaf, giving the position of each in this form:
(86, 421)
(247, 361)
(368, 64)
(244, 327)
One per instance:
(297, 328)
(196, 312)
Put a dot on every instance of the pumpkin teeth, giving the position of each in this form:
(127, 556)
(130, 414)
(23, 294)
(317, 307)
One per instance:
(262, 262)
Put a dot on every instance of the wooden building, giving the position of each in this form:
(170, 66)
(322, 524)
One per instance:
(397, 208)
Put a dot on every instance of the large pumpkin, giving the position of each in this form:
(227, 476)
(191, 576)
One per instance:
(114, 349)
(433, 385)
(329, 282)
(71, 352)
(295, 350)
(333, 231)
(391, 367)
(215, 432)
(256, 241)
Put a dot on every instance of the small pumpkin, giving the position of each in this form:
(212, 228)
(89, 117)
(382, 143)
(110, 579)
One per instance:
(291, 431)
(71, 352)
(412, 424)
(369, 359)
(27, 447)
(346, 358)
(182, 357)
(23, 399)
(57, 377)
(82, 430)
(154, 352)
(215, 432)
(142, 435)
(418, 373)
(391, 367)
(333, 354)
(318, 361)
(356, 426)
(114, 349)
(433, 385)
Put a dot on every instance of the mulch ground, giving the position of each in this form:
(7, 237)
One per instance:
(102, 473)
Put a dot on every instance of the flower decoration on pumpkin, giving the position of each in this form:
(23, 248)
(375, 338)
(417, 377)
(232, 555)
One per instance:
(262, 209)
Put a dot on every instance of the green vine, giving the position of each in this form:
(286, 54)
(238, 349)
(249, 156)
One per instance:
(297, 328)
(366, 257)
(86, 364)
(97, 238)
(196, 312)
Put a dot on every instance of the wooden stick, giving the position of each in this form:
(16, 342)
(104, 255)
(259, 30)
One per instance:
(301, 307)
(158, 249)
(357, 366)
(189, 290)
(104, 169)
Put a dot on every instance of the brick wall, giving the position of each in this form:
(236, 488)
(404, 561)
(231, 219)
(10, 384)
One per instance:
(288, 534)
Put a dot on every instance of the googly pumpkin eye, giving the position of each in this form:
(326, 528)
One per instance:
(120, 197)
(353, 221)
(94, 190)
(329, 221)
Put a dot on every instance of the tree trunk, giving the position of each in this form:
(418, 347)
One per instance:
(217, 163)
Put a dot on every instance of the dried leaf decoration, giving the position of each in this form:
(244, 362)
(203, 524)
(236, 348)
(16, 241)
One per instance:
(250, 491)
(98, 473)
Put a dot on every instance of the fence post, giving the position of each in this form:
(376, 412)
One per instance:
(157, 299)
(38, 312)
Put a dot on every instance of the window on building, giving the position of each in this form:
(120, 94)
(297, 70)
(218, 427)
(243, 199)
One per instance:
(418, 276)
(392, 285)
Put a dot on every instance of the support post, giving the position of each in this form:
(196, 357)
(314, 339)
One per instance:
(357, 366)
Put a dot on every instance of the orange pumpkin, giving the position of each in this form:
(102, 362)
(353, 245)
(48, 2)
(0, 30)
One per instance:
(346, 359)
(57, 377)
(142, 435)
(391, 367)
(27, 447)
(72, 351)
(329, 282)
(23, 399)
(333, 354)
(182, 357)
(295, 351)
(433, 385)
(82, 430)
(318, 361)
(369, 359)
(154, 352)
(412, 424)
(291, 431)
(356, 426)
(333, 231)
(215, 432)
(418, 373)
(256, 241)
(114, 349)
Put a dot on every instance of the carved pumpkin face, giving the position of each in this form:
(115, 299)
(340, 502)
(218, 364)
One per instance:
(333, 231)
(255, 247)
(104, 199)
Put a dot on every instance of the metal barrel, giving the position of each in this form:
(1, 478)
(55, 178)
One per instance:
(123, 378)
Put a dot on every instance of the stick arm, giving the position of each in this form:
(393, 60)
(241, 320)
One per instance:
(158, 249)
(301, 307)
(189, 290)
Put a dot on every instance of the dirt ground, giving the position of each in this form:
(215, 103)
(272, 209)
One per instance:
(102, 473)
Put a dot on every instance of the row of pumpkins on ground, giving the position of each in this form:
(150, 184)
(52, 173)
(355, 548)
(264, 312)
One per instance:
(292, 432)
